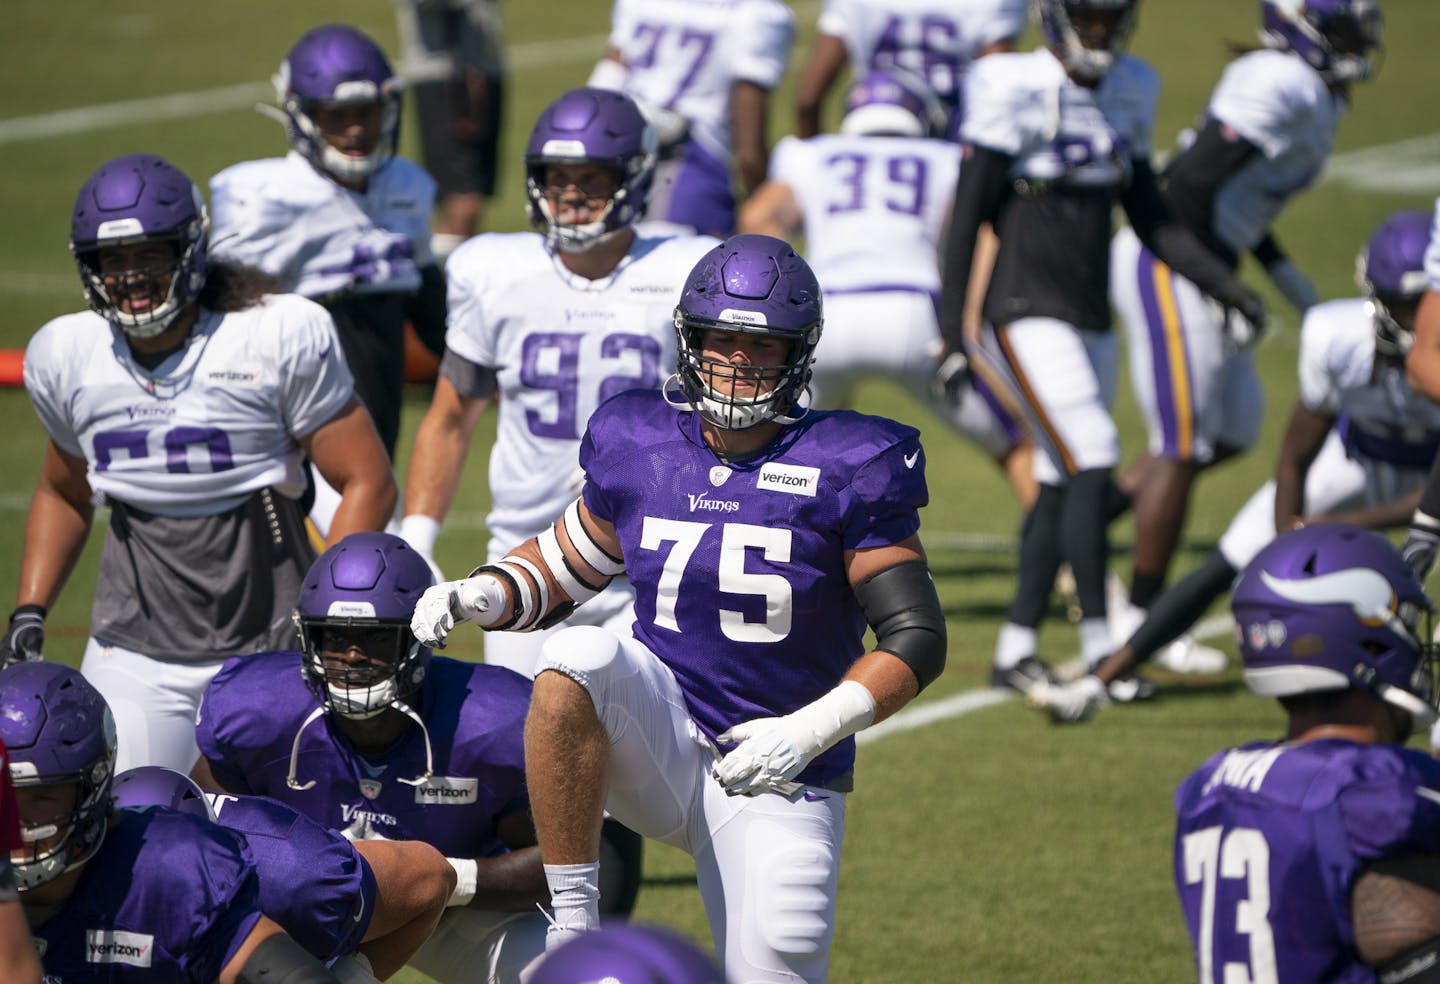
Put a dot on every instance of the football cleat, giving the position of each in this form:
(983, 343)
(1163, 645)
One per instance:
(1024, 677)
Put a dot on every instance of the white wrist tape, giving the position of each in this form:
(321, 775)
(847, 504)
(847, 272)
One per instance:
(421, 532)
(840, 713)
(466, 872)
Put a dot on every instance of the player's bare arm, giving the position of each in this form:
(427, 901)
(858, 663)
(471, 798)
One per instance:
(347, 451)
(57, 527)
(1304, 435)
(772, 211)
(749, 118)
(442, 443)
(413, 882)
(822, 67)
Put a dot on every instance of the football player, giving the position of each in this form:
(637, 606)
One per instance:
(550, 325)
(1313, 858)
(1422, 369)
(122, 895)
(1054, 139)
(934, 39)
(702, 71)
(363, 907)
(364, 732)
(761, 539)
(1266, 134)
(872, 201)
(340, 218)
(1357, 447)
(186, 402)
(18, 962)
(628, 954)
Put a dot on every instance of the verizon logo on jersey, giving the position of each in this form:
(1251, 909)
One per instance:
(448, 791)
(795, 479)
(113, 946)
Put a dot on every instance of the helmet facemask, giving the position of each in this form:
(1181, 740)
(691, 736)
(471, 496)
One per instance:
(1058, 21)
(359, 667)
(709, 385)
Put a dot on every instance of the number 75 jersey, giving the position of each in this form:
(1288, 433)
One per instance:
(1270, 839)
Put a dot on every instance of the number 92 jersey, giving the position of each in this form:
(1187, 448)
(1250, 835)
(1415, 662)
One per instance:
(214, 422)
(1270, 839)
(739, 569)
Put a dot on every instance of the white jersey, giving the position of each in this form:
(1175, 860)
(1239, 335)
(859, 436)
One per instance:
(1282, 106)
(935, 39)
(1059, 132)
(1381, 418)
(560, 346)
(1432, 252)
(215, 422)
(283, 216)
(686, 55)
(874, 206)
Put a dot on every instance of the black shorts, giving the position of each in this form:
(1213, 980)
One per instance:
(460, 140)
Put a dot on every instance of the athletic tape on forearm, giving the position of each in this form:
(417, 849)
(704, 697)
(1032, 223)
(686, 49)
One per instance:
(534, 605)
(594, 554)
(560, 569)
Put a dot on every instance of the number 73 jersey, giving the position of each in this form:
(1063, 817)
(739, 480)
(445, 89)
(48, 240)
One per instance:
(739, 569)
(1270, 839)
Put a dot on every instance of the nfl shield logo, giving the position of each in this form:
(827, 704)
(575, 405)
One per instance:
(718, 475)
(370, 788)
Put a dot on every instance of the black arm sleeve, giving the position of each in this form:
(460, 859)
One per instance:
(1194, 178)
(902, 607)
(280, 960)
(979, 193)
(1176, 245)
(1267, 251)
(426, 309)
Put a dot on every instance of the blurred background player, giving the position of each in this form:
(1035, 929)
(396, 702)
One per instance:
(340, 219)
(18, 962)
(872, 201)
(1266, 135)
(1313, 858)
(551, 325)
(761, 539)
(1054, 139)
(121, 895)
(628, 954)
(364, 732)
(1356, 449)
(362, 907)
(453, 60)
(934, 39)
(1422, 371)
(185, 402)
(702, 71)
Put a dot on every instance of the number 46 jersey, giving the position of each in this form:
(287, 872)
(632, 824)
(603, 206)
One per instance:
(1270, 840)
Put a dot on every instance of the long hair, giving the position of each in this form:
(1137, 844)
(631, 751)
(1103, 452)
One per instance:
(233, 287)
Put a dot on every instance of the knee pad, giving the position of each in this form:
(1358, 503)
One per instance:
(795, 913)
(585, 654)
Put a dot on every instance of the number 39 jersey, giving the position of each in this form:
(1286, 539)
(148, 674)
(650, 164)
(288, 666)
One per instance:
(739, 569)
(560, 345)
(1270, 840)
(214, 422)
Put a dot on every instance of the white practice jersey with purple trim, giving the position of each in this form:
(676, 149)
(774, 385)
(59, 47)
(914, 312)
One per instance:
(560, 346)
(283, 216)
(686, 55)
(1432, 252)
(935, 39)
(214, 422)
(1282, 106)
(874, 206)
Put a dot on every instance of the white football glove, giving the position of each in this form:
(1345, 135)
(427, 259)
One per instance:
(479, 599)
(1292, 282)
(769, 752)
(1068, 703)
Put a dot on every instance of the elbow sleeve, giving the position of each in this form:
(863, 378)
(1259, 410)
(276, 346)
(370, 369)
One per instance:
(902, 607)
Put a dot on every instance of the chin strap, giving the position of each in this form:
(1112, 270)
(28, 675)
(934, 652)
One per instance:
(424, 777)
(290, 779)
(399, 705)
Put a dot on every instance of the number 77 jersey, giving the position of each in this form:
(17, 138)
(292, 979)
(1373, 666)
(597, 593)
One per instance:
(739, 569)
(1269, 841)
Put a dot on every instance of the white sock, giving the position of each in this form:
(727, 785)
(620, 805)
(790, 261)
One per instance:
(1014, 643)
(574, 898)
(1094, 641)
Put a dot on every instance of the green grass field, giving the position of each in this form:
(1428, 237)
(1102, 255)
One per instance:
(989, 846)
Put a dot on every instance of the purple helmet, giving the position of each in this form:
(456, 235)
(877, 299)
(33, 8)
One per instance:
(753, 285)
(1333, 606)
(590, 126)
(59, 731)
(628, 954)
(1391, 271)
(140, 198)
(332, 66)
(366, 586)
(1334, 37)
(154, 785)
(1058, 26)
(893, 102)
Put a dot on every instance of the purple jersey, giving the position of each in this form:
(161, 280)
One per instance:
(256, 705)
(1270, 840)
(739, 568)
(167, 898)
(312, 881)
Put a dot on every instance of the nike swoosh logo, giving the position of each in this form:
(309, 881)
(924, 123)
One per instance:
(910, 459)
